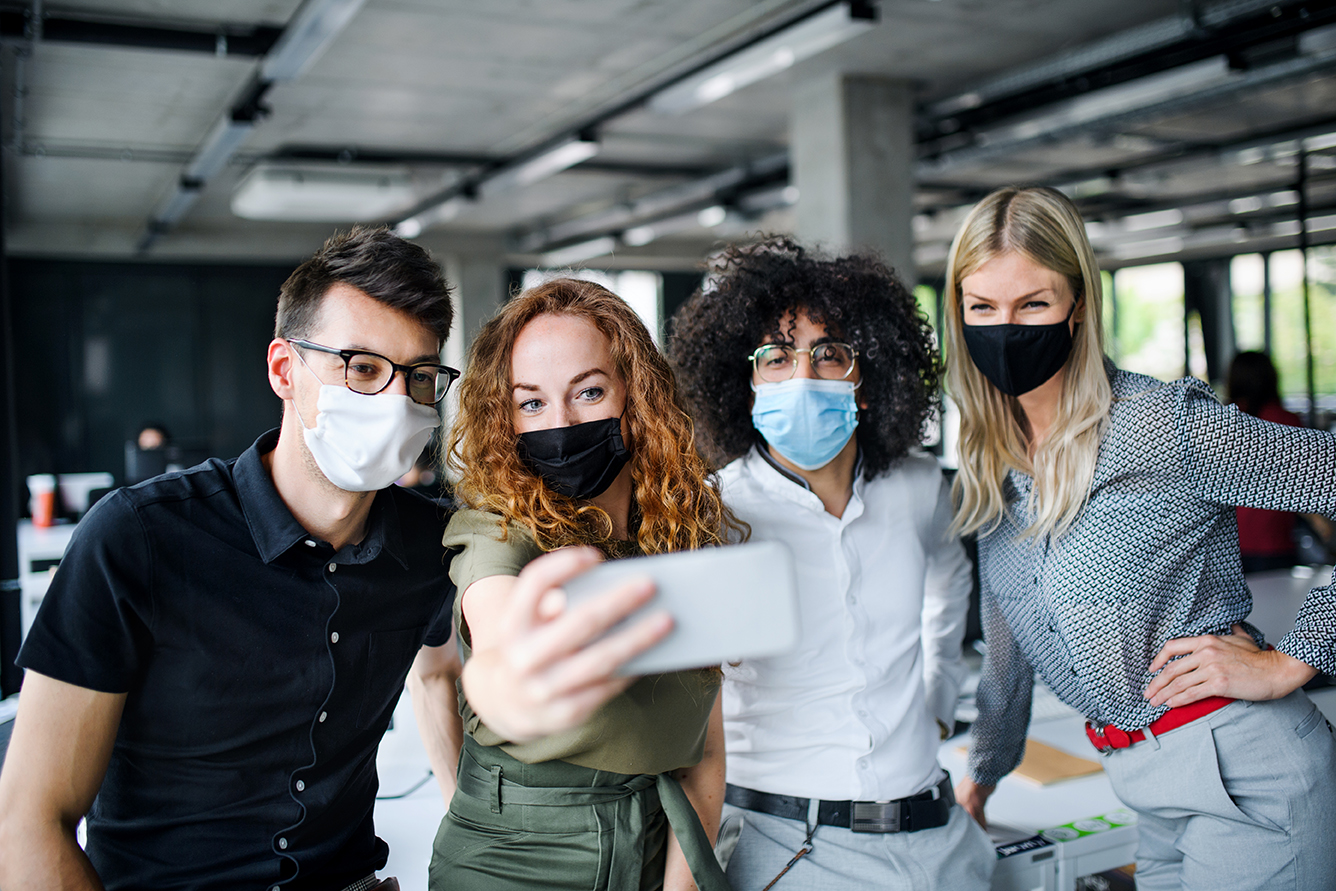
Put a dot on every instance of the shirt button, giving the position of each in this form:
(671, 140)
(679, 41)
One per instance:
(334, 638)
(282, 844)
(309, 543)
(333, 566)
(301, 785)
(323, 716)
(275, 888)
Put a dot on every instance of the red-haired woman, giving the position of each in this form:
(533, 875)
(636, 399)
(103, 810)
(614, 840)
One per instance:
(570, 432)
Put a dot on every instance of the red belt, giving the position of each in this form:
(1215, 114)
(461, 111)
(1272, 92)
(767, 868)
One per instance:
(1111, 737)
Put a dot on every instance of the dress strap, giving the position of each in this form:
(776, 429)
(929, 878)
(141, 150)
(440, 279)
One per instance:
(627, 805)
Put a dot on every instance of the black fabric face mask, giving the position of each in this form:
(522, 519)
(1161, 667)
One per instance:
(579, 461)
(1019, 358)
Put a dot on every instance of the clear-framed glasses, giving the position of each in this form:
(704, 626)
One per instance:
(370, 373)
(775, 362)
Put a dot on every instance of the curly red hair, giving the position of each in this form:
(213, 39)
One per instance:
(674, 492)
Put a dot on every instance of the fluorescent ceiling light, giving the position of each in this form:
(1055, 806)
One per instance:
(766, 57)
(639, 236)
(1246, 205)
(1156, 219)
(175, 206)
(712, 216)
(306, 37)
(1105, 103)
(578, 253)
(541, 166)
(424, 220)
(1153, 248)
(276, 193)
(224, 139)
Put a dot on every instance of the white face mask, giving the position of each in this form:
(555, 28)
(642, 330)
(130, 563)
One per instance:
(364, 443)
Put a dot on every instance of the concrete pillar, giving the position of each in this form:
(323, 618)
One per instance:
(852, 150)
(1206, 289)
(479, 283)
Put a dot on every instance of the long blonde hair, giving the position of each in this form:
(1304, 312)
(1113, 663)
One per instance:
(1043, 226)
(677, 496)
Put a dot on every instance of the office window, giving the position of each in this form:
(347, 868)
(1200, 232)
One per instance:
(1288, 348)
(1150, 335)
(642, 290)
(1246, 278)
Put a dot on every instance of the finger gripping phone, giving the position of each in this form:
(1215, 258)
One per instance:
(727, 603)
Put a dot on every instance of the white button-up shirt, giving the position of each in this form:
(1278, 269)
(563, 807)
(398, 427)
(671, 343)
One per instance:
(852, 712)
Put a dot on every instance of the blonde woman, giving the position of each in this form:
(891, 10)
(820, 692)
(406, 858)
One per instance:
(570, 432)
(1108, 557)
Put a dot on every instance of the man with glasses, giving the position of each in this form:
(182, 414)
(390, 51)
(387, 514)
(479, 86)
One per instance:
(220, 652)
(812, 379)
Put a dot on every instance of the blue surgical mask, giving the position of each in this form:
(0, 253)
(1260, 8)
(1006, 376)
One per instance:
(807, 421)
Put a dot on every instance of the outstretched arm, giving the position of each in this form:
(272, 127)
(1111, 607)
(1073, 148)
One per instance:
(538, 668)
(57, 757)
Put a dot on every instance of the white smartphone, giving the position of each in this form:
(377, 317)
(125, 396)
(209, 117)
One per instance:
(727, 603)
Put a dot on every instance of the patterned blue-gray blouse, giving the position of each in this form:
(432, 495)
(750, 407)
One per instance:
(1154, 555)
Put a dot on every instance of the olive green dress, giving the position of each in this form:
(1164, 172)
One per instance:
(586, 809)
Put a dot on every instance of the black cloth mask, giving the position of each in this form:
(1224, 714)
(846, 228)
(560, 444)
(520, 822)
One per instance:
(579, 461)
(1019, 358)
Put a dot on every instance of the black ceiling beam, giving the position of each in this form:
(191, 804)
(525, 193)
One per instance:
(1180, 151)
(389, 156)
(250, 41)
(1248, 41)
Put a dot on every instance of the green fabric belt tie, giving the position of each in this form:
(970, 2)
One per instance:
(627, 804)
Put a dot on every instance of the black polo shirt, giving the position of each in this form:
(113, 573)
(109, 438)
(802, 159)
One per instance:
(261, 666)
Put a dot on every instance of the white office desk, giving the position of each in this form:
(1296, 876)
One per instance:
(1055, 863)
(1030, 808)
(40, 549)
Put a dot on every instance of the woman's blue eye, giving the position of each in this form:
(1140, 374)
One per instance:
(591, 393)
(530, 405)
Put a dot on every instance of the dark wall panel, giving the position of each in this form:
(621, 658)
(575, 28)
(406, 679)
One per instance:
(103, 347)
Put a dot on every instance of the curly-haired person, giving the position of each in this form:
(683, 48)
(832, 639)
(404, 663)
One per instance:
(813, 376)
(570, 432)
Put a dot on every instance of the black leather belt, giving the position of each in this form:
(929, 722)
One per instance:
(926, 810)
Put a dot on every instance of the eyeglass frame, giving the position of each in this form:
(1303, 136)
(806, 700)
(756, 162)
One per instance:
(346, 355)
(810, 352)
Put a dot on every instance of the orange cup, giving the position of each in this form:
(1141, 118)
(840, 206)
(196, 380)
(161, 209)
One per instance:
(43, 509)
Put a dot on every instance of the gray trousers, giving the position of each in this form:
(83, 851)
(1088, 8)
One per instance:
(954, 857)
(1243, 798)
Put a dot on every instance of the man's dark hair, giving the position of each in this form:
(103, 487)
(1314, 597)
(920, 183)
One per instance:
(857, 298)
(387, 268)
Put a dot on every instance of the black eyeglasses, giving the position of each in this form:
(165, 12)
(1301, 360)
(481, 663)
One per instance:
(370, 373)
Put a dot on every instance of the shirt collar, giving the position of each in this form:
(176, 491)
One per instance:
(792, 477)
(783, 471)
(275, 530)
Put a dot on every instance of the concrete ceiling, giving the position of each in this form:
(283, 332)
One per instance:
(439, 90)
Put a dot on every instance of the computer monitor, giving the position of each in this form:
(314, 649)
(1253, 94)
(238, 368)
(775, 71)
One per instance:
(143, 464)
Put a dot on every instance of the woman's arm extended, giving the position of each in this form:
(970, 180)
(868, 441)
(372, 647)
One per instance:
(538, 668)
(704, 786)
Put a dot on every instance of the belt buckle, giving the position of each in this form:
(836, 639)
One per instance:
(875, 816)
(1098, 739)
